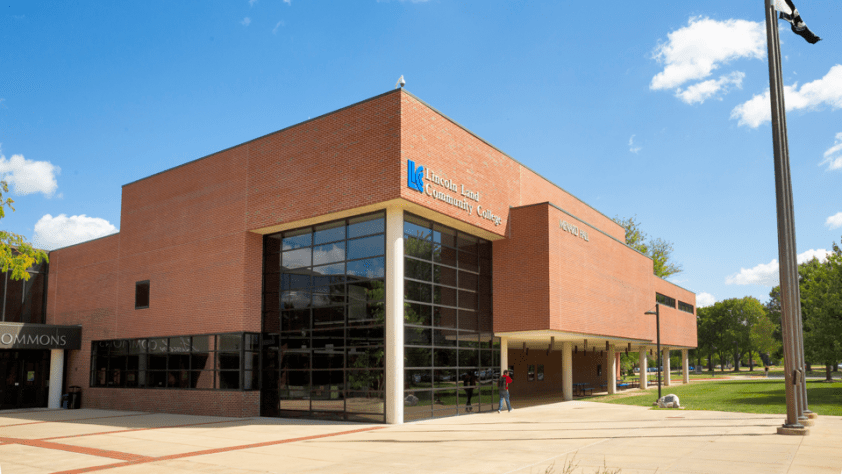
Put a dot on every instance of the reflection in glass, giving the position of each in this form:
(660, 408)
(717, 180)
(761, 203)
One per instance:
(366, 225)
(330, 232)
(366, 247)
(369, 268)
(329, 253)
(294, 239)
(296, 258)
(329, 356)
(454, 340)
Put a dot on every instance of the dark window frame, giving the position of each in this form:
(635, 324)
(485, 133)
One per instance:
(137, 286)
(145, 352)
(665, 300)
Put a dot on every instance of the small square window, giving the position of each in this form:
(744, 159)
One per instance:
(141, 294)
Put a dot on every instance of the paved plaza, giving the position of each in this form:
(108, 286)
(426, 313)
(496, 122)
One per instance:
(528, 440)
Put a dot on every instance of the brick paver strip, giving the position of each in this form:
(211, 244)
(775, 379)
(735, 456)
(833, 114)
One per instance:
(143, 429)
(104, 453)
(137, 459)
(72, 420)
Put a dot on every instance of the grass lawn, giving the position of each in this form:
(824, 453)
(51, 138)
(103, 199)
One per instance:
(745, 396)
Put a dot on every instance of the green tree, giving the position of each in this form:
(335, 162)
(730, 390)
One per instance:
(821, 307)
(16, 254)
(820, 285)
(762, 337)
(659, 250)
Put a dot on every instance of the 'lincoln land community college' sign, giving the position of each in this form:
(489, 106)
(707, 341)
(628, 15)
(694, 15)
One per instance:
(39, 336)
(426, 181)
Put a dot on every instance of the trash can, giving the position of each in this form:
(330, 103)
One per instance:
(75, 393)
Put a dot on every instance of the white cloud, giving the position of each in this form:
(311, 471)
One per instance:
(834, 221)
(278, 25)
(252, 2)
(27, 176)
(632, 148)
(827, 90)
(693, 52)
(705, 299)
(288, 2)
(833, 155)
(766, 274)
(246, 21)
(61, 231)
(702, 91)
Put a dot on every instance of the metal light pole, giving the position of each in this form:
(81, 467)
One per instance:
(657, 314)
(790, 294)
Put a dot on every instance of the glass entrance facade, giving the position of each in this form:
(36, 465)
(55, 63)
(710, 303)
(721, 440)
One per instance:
(323, 313)
(451, 357)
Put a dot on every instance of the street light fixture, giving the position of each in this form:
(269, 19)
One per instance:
(657, 314)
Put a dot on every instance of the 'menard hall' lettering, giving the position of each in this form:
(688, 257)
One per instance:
(415, 180)
(568, 227)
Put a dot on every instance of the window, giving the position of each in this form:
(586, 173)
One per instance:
(540, 372)
(530, 373)
(141, 294)
(685, 307)
(665, 300)
(323, 320)
(210, 362)
(24, 301)
(451, 357)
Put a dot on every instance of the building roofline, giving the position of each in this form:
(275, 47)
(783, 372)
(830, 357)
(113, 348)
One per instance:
(266, 135)
(454, 122)
(673, 284)
(85, 242)
(548, 203)
(601, 232)
(393, 91)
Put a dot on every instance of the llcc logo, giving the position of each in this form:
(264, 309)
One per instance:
(415, 176)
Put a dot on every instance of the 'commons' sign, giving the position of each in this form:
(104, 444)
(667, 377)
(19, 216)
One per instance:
(39, 336)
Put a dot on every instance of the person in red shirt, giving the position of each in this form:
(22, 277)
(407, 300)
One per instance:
(503, 386)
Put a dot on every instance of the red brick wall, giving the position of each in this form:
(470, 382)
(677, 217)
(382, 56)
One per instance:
(599, 286)
(548, 278)
(188, 231)
(186, 402)
(431, 140)
(677, 327)
(521, 273)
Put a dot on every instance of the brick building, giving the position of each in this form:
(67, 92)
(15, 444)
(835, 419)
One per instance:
(368, 264)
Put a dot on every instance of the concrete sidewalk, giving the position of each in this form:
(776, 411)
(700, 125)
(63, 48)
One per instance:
(529, 440)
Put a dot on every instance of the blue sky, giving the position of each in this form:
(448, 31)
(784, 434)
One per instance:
(648, 109)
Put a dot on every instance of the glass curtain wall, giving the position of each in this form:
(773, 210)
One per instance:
(451, 357)
(323, 314)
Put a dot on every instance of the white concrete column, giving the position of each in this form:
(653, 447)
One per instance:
(644, 366)
(394, 315)
(612, 370)
(685, 366)
(504, 354)
(619, 365)
(567, 371)
(56, 378)
(666, 358)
